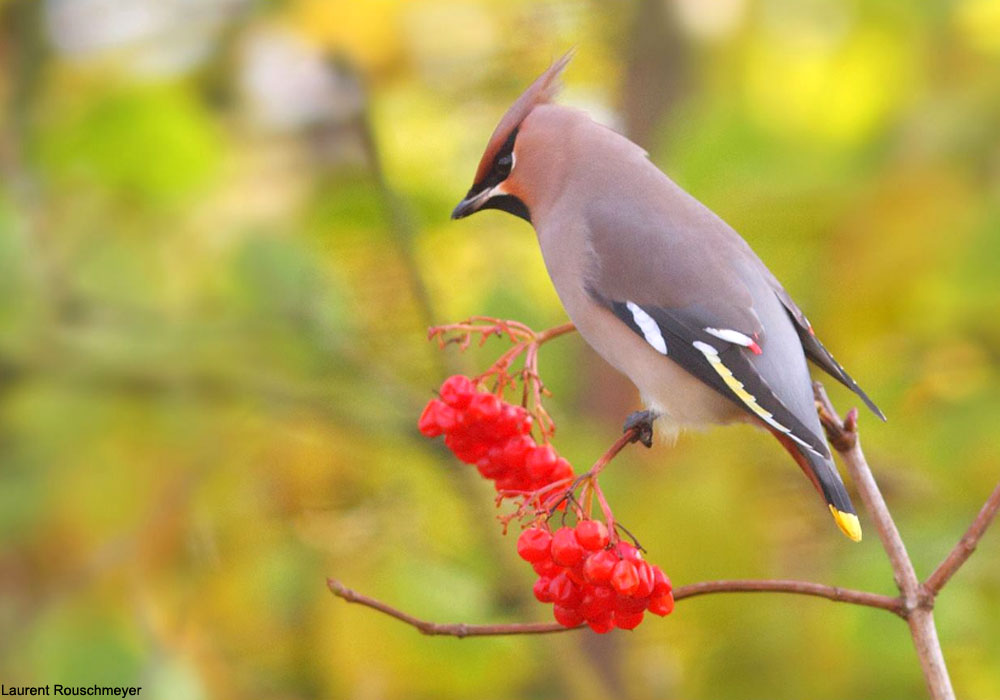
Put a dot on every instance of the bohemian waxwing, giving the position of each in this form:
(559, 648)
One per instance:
(658, 285)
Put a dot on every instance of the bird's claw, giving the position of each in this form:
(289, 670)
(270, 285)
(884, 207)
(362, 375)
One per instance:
(641, 423)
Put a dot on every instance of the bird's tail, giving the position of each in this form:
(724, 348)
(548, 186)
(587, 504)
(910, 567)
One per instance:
(825, 477)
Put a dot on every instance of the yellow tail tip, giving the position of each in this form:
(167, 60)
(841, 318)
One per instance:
(848, 523)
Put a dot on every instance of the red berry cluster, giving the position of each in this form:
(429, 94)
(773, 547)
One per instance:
(589, 579)
(589, 576)
(482, 429)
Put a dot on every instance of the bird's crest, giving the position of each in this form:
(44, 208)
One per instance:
(539, 92)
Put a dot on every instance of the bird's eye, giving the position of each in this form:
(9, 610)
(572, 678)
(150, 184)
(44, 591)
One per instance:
(504, 163)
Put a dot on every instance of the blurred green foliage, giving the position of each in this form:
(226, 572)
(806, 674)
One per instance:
(224, 232)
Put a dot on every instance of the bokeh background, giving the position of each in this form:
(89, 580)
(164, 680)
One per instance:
(224, 230)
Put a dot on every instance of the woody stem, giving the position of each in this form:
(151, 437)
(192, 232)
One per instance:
(917, 602)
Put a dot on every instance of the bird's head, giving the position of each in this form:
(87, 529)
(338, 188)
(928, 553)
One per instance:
(512, 162)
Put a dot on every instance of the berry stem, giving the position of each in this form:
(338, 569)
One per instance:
(525, 342)
(612, 452)
(554, 332)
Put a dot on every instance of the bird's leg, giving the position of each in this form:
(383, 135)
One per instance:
(641, 422)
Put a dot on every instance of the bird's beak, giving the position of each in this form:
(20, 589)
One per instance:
(471, 204)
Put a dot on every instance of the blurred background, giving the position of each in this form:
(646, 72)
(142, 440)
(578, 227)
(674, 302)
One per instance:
(224, 230)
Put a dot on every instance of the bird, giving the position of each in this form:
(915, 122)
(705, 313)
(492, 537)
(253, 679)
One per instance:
(659, 285)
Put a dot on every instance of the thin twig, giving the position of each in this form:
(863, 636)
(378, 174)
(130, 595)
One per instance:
(627, 438)
(834, 593)
(843, 595)
(589, 478)
(459, 630)
(965, 547)
(554, 332)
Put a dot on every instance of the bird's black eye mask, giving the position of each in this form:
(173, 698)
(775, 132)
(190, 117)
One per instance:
(502, 165)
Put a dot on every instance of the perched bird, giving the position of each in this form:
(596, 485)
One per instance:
(658, 285)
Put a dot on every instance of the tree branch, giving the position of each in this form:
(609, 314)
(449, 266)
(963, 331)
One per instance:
(819, 590)
(461, 630)
(965, 547)
(917, 604)
(843, 436)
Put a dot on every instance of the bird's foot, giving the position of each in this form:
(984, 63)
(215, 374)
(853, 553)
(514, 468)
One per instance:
(641, 423)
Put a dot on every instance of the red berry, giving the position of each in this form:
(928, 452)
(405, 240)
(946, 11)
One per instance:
(562, 470)
(546, 567)
(540, 462)
(661, 582)
(541, 590)
(603, 624)
(567, 617)
(523, 420)
(495, 453)
(565, 592)
(476, 431)
(566, 551)
(661, 604)
(597, 601)
(510, 420)
(484, 407)
(428, 423)
(629, 552)
(645, 586)
(592, 534)
(627, 605)
(517, 448)
(456, 391)
(469, 451)
(628, 622)
(509, 482)
(533, 544)
(624, 578)
(576, 574)
(447, 418)
(458, 441)
(599, 566)
(489, 468)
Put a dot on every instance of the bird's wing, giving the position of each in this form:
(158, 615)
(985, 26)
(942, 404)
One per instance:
(719, 357)
(689, 292)
(815, 350)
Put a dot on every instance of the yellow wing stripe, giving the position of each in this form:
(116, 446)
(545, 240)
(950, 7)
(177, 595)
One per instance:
(737, 387)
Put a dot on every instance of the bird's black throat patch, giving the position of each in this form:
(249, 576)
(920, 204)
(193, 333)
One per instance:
(510, 204)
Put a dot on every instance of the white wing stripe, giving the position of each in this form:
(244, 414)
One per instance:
(731, 336)
(650, 329)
